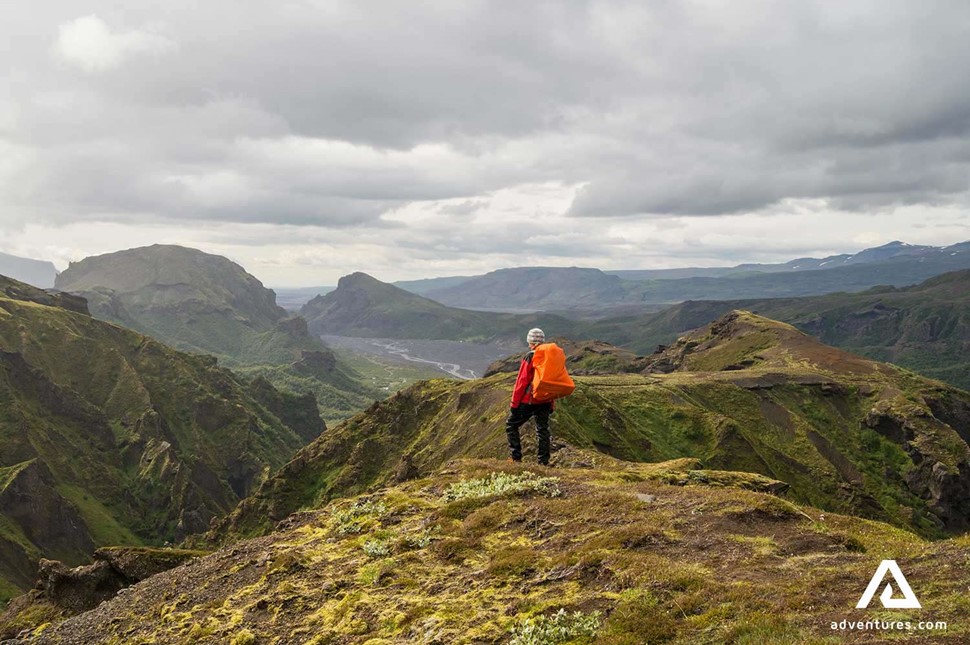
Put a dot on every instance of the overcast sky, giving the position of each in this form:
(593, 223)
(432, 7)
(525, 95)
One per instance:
(307, 139)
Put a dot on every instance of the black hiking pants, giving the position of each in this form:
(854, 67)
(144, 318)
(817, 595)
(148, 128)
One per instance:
(521, 414)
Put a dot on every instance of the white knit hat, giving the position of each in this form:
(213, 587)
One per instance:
(536, 335)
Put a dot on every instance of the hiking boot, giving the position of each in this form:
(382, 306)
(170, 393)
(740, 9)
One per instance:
(514, 460)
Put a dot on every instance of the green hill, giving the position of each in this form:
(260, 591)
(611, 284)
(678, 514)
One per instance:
(203, 303)
(365, 307)
(925, 327)
(845, 433)
(109, 437)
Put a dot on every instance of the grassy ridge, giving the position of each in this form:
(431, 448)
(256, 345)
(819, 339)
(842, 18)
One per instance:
(925, 327)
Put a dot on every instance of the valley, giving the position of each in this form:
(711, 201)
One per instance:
(334, 443)
(454, 358)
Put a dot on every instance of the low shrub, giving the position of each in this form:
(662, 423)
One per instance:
(560, 627)
(501, 484)
(351, 519)
(376, 548)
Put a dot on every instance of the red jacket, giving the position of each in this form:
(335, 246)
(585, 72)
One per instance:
(522, 392)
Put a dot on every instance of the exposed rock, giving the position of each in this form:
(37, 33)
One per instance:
(406, 470)
(63, 591)
(21, 291)
(80, 588)
(946, 490)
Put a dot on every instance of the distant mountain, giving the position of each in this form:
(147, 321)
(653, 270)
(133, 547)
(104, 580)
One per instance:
(899, 271)
(204, 303)
(587, 290)
(366, 307)
(877, 254)
(925, 327)
(36, 273)
(109, 437)
(534, 289)
(423, 287)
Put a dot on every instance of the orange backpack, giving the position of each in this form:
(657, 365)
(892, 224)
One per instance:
(551, 381)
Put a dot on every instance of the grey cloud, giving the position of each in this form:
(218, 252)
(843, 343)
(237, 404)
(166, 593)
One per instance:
(655, 108)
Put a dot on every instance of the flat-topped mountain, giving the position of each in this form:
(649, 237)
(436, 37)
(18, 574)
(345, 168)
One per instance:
(204, 303)
(189, 299)
(745, 393)
(110, 437)
(535, 289)
(364, 306)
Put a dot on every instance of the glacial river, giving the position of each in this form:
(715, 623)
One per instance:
(456, 359)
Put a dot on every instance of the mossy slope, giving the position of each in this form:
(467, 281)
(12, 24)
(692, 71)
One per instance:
(642, 561)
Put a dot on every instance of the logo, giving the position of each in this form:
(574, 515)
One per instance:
(908, 601)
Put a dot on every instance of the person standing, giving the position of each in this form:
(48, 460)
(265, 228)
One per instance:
(524, 407)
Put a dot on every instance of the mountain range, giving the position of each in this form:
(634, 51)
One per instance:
(925, 327)
(575, 289)
(696, 466)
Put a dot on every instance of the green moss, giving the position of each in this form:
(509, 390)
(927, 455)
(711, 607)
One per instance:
(514, 561)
